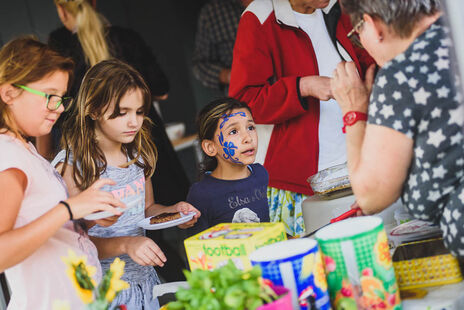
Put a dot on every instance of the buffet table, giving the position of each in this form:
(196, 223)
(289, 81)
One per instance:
(446, 297)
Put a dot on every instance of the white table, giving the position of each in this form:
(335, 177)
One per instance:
(446, 297)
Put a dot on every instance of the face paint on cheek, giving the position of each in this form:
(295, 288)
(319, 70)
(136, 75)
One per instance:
(229, 150)
(229, 147)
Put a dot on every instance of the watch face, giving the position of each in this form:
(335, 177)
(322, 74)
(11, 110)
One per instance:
(350, 118)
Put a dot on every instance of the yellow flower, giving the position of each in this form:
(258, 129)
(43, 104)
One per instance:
(61, 305)
(319, 274)
(382, 250)
(80, 275)
(115, 283)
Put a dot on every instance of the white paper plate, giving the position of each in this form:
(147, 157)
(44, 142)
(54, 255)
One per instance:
(104, 214)
(145, 223)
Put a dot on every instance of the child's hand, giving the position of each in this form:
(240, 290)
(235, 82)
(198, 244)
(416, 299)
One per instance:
(186, 208)
(145, 252)
(93, 199)
(108, 221)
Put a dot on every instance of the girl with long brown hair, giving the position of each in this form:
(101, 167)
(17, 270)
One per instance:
(107, 135)
(35, 226)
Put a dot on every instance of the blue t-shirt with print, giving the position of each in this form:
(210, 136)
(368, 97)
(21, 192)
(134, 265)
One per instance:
(230, 201)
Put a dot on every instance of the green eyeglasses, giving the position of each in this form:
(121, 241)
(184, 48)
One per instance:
(53, 101)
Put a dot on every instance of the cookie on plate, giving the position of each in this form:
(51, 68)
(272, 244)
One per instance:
(164, 217)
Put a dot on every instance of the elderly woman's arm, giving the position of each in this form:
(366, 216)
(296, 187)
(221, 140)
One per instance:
(378, 157)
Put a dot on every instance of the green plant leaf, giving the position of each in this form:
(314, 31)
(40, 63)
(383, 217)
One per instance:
(234, 298)
(225, 288)
(175, 305)
(98, 305)
(253, 304)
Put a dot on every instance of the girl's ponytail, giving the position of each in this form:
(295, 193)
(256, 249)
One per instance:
(90, 30)
(91, 34)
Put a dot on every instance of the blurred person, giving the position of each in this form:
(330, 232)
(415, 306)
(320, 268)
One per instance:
(214, 41)
(284, 56)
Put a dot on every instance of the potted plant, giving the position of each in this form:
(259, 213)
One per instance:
(227, 288)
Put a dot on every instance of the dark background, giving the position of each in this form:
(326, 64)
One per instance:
(168, 26)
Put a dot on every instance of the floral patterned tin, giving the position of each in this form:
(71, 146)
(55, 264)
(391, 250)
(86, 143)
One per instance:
(358, 265)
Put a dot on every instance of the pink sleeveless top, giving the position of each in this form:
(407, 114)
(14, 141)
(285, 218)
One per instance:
(41, 278)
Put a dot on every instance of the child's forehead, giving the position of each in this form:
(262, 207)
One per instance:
(241, 114)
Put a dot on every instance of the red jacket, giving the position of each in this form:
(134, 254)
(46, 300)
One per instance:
(271, 53)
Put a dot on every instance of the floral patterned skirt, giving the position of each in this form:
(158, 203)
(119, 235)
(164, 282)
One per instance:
(286, 207)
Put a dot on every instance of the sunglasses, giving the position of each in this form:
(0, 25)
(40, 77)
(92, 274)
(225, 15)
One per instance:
(53, 101)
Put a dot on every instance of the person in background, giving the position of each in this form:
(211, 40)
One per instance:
(232, 188)
(214, 41)
(35, 227)
(107, 136)
(88, 38)
(284, 56)
(411, 145)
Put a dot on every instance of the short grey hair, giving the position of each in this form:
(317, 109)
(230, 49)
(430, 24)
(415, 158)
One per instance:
(400, 15)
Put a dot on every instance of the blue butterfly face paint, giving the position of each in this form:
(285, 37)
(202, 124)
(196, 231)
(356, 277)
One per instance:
(229, 150)
(229, 147)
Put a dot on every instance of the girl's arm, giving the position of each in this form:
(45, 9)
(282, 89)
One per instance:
(141, 249)
(378, 157)
(73, 190)
(153, 209)
(19, 243)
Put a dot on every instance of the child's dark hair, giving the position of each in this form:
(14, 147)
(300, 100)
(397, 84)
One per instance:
(207, 122)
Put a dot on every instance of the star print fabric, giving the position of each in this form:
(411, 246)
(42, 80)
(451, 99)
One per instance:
(415, 94)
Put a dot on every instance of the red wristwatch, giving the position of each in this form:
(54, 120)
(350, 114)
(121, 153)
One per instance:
(352, 117)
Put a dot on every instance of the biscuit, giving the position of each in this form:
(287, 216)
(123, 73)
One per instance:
(164, 217)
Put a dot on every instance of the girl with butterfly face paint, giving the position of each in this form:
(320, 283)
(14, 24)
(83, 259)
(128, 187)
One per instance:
(234, 144)
(230, 181)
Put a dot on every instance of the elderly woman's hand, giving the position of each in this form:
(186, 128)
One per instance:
(351, 93)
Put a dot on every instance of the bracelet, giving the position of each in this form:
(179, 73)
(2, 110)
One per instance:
(67, 207)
